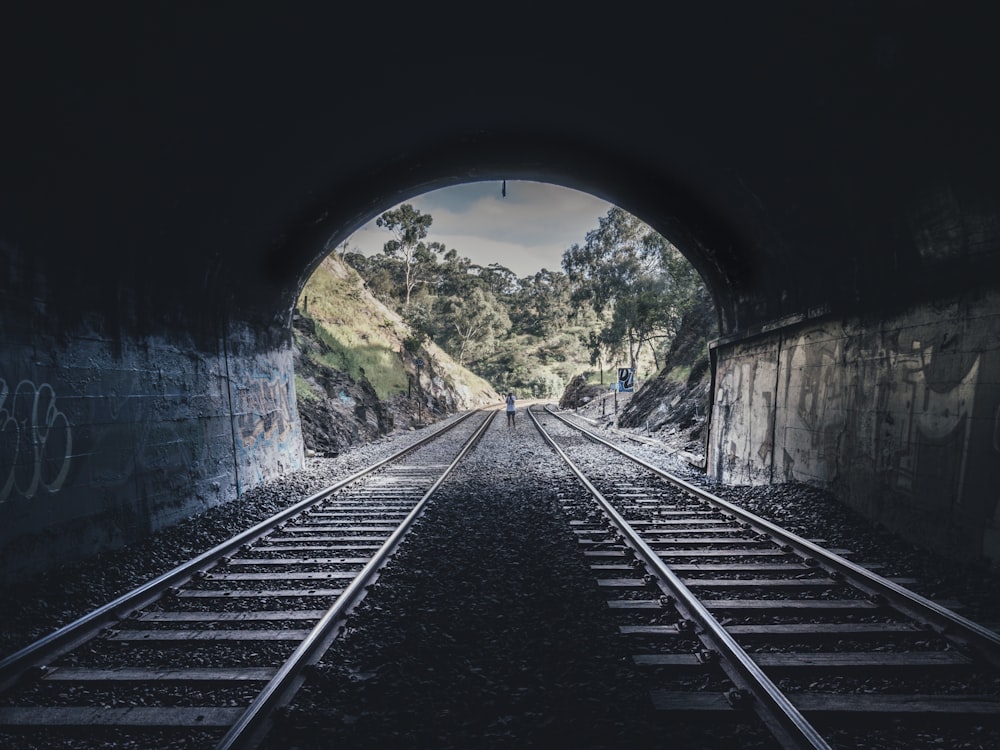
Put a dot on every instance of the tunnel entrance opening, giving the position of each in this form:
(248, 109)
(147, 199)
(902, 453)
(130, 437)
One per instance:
(456, 296)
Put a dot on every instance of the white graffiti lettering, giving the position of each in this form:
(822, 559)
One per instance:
(36, 441)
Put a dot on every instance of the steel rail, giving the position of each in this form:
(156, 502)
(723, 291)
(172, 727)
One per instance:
(251, 726)
(78, 631)
(907, 601)
(773, 707)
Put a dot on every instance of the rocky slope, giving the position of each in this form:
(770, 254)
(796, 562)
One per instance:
(676, 402)
(673, 406)
(337, 409)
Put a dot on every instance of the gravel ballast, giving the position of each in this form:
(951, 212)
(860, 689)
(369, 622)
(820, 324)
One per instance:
(473, 636)
(487, 630)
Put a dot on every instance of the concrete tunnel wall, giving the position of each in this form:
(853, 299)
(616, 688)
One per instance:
(106, 438)
(899, 416)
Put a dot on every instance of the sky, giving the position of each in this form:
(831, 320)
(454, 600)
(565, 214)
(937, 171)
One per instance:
(526, 231)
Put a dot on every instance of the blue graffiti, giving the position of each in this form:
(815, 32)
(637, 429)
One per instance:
(36, 441)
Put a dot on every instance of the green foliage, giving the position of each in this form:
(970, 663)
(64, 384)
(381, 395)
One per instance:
(470, 325)
(679, 374)
(422, 326)
(618, 301)
(409, 228)
(303, 390)
(500, 280)
(413, 343)
(602, 377)
(383, 276)
(636, 280)
(542, 303)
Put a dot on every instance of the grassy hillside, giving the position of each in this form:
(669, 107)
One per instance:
(365, 339)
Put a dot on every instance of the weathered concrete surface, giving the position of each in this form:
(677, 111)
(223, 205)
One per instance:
(104, 439)
(899, 416)
(99, 448)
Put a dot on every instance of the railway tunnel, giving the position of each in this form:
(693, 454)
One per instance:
(172, 174)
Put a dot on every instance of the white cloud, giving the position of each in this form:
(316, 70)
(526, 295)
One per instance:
(525, 231)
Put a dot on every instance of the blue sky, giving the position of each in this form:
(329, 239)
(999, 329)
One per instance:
(527, 231)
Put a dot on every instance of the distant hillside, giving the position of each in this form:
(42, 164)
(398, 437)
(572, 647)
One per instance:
(355, 377)
(357, 380)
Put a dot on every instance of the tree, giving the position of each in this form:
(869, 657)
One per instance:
(409, 228)
(634, 274)
(541, 305)
(455, 275)
(421, 321)
(507, 367)
(383, 276)
(599, 350)
(473, 323)
(500, 280)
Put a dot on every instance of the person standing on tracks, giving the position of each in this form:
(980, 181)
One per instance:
(511, 409)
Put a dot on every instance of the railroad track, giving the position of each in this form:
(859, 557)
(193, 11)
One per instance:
(735, 618)
(739, 616)
(202, 655)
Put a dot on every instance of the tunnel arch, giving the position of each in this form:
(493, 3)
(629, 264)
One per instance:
(722, 257)
(831, 173)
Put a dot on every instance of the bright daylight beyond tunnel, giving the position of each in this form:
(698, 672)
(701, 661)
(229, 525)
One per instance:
(429, 317)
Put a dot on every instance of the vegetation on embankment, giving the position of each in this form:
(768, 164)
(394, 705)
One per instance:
(617, 302)
(398, 338)
(356, 379)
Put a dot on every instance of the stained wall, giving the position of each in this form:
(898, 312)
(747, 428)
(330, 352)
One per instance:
(107, 437)
(899, 416)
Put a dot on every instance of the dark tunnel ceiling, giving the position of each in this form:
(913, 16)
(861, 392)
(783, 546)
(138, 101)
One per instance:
(216, 150)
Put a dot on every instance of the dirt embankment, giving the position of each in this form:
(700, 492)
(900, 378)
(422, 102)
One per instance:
(337, 412)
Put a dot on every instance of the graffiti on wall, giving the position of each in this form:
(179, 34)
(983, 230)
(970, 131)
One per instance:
(815, 408)
(266, 416)
(36, 441)
(136, 427)
(902, 421)
(932, 413)
(996, 449)
(743, 412)
(266, 422)
(820, 393)
(921, 413)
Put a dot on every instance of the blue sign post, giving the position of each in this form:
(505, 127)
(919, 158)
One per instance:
(626, 379)
(626, 384)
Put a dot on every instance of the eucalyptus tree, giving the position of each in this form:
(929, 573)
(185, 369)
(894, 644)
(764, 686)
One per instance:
(542, 304)
(633, 278)
(500, 280)
(381, 274)
(473, 323)
(601, 350)
(455, 275)
(409, 228)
